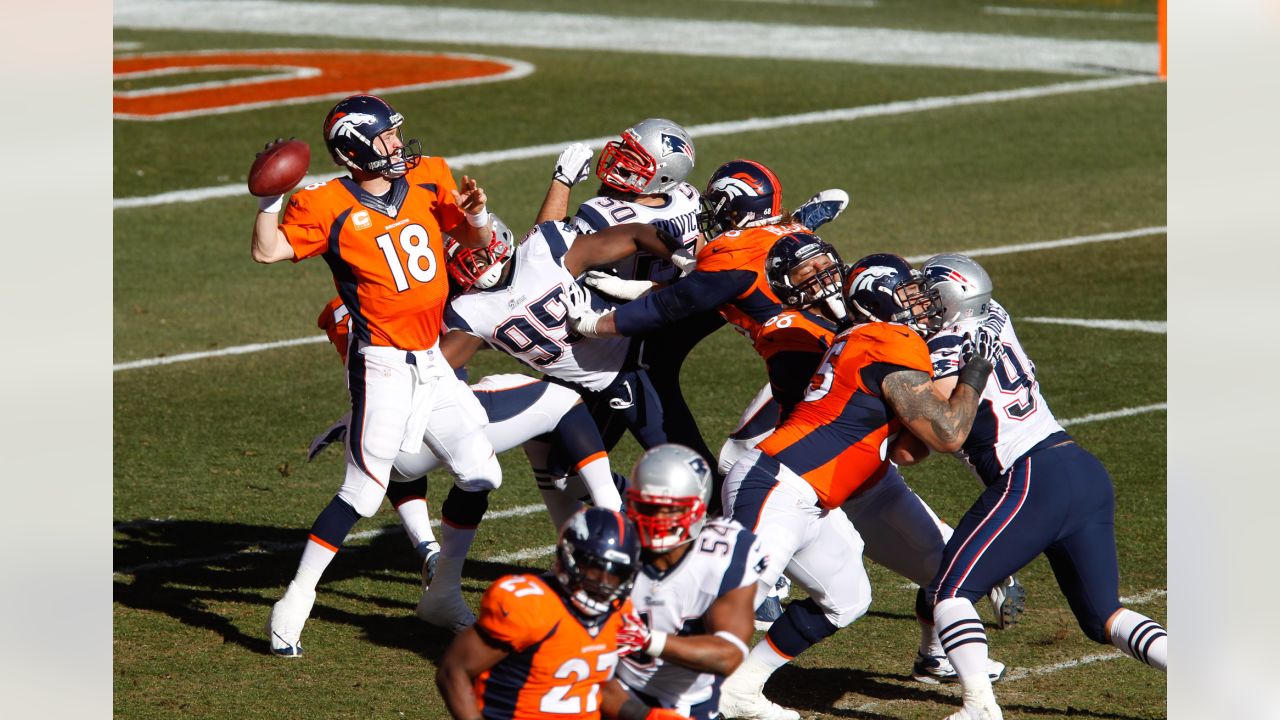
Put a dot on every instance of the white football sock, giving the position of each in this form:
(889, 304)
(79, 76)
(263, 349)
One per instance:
(315, 558)
(598, 477)
(1138, 636)
(965, 642)
(416, 519)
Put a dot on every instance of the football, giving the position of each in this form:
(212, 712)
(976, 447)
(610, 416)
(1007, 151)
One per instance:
(279, 168)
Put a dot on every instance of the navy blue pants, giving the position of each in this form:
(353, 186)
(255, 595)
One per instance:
(1057, 500)
(630, 403)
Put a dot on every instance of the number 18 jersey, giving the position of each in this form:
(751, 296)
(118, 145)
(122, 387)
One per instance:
(1012, 415)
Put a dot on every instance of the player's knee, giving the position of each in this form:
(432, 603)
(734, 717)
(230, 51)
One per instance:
(845, 611)
(365, 497)
(1095, 627)
(481, 476)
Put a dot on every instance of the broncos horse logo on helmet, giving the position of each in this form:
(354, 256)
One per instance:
(740, 194)
(351, 131)
(885, 288)
(596, 561)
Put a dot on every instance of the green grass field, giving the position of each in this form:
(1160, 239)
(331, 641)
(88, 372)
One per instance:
(212, 492)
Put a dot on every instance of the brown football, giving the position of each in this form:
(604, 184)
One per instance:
(279, 168)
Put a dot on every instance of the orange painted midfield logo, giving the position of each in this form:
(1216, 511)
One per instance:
(291, 77)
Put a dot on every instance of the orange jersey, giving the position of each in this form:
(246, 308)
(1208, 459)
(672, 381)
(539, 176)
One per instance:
(557, 665)
(836, 439)
(386, 254)
(757, 312)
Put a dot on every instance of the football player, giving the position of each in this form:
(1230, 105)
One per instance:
(381, 230)
(695, 591)
(642, 179)
(546, 645)
(790, 490)
(519, 308)
(1044, 493)
(520, 409)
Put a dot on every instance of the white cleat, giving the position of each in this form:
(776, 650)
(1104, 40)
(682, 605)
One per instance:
(446, 609)
(937, 669)
(288, 615)
(754, 705)
(822, 208)
(1008, 601)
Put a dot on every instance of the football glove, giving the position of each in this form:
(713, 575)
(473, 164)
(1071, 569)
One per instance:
(684, 261)
(577, 303)
(634, 635)
(984, 344)
(574, 165)
(616, 287)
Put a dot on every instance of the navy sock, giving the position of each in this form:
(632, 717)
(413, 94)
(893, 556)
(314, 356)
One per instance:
(464, 509)
(802, 625)
(334, 522)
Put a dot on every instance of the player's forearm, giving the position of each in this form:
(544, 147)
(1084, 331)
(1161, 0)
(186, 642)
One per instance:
(269, 242)
(942, 424)
(455, 688)
(556, 204)
(704, 653)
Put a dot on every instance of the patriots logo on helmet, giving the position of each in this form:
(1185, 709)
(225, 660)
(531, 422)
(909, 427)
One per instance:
(346, 124)
(675, 144)
(940, 272)
(699, 466)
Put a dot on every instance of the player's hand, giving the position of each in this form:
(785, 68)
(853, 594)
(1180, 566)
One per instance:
(983, 343)
(272, 144)
(470, 197)
(684, 261)
(616, 287)
(577, 304)
(574, 165)
(633, 637)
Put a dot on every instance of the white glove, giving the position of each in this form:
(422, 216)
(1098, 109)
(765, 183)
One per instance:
(574, 165)
(577, 303)
(684, 261)
(616, 287)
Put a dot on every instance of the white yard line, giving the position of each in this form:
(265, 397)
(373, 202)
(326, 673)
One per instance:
(1124, 412)
(533, 553)
(1144, 597)
(1001, 250)
(1070, 14)
(680, 36)
(1158, 327)
(1052, 244)
(260, 548)
(732, 127)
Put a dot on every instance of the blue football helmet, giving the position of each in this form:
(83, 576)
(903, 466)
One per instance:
(353, 125)
(885, 288)
(740, 194)
(596, 560)
(796, 252)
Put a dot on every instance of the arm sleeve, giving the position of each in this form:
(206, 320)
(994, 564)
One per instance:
(944, 353)
(789, 374)
(303, 228)
(697, 292)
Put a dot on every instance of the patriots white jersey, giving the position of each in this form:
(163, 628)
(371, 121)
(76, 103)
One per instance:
(679, 216)
(525, 317)
(1012, 416)
(723, 557)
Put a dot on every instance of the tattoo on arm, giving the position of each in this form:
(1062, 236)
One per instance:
(910, 393)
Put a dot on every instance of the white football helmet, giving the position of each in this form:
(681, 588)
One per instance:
(668, 495)
(964, 288)
(652, 156)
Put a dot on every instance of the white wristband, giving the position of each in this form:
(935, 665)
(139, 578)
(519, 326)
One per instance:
(271, 204)
(480, 219)
(657, 641)
(737, 642)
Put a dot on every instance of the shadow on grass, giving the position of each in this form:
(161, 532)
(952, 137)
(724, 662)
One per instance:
(186, 568)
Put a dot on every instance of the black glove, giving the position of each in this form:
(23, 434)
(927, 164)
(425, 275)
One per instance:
(981, 351)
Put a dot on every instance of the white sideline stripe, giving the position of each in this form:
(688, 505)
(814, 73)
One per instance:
(731, 127)
(1070, 14)
(522, 555)
(262, 548)
(1002, 250)
(520, 511)
(1020, 673)
(680, 36)
(1125, 412)
(1148, 326)
(1144, 597)
(235, 350)
(1052, 244)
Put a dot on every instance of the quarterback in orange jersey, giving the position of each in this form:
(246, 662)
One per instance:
(546, 646)
(381, 232)
(874, 381)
